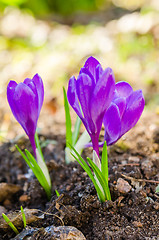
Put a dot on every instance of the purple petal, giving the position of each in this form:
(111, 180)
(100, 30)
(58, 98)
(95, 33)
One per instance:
(99, 72)
(72, 96)
(91, 65)
(134, 109)
(36, 84)
(121, 103)
(31, 85)
(12, 85)
(123, 89)
(10, 92)
(87, 72)
(112, 124)
(37, 80)
(24, 107)
(85, 87)
(102, 96)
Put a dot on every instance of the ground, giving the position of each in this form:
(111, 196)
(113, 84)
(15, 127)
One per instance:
(133, 212)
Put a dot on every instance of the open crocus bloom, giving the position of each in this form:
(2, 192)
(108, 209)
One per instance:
(25, 100)
(123, 113)
(90, 96)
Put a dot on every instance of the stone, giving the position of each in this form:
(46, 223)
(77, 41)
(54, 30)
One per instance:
(123, 186)
(51, 232)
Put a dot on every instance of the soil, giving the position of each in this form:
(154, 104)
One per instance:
(133, 212)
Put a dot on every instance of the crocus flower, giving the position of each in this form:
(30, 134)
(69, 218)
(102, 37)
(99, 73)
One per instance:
(25, 100)
(123, 113)
(90, 96)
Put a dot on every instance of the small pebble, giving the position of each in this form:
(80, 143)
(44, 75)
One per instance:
(133, 159)
(130, 202)
(137, 224)
(123, 186)
(23, 198)
(68, 188)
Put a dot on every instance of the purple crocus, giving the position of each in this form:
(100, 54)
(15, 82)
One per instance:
(25, 100)
(90, 96)
(123, 113)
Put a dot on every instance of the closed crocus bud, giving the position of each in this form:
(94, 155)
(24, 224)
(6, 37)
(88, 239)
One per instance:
(90, 95)
(25, 100)
(123, 113)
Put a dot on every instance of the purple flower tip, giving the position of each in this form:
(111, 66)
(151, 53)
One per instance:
(90, 96)
(123, 113)
(25, 100)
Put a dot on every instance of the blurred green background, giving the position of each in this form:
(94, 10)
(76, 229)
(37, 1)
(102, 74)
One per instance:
(55, 37)
(43, 8)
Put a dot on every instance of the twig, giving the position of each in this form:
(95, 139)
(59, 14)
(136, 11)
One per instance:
(129, 164)
(52, 214)
(139, 180)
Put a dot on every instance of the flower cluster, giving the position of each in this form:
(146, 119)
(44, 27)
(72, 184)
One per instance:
(97, 99)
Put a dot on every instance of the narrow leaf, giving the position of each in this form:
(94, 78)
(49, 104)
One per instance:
(23, 216)
(89, 172)
(57, 193)
(104, 162)
(76, 131)
(10, 223)
(68, 120)
(39, 174)
(38, 145)
(82, 141)
(99, 192)
(101, 179)
(43, 167)
(81, 160)
(36, 170)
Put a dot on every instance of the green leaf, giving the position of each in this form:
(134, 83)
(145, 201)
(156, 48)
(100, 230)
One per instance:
(25, 158)
(104, 162)
(39, 174)
(99, 192)
(38, 145)
(57, 193)
(101, 179)
(76, 131)
(10, 223)
(89, 172)
(23, 216)
(81, 160)
(30, 160)
(68, 120)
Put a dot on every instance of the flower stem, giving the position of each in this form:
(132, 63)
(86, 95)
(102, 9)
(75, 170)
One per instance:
(32, 141)
(95, 144)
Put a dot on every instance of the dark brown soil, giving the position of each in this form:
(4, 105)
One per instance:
(131, 215)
